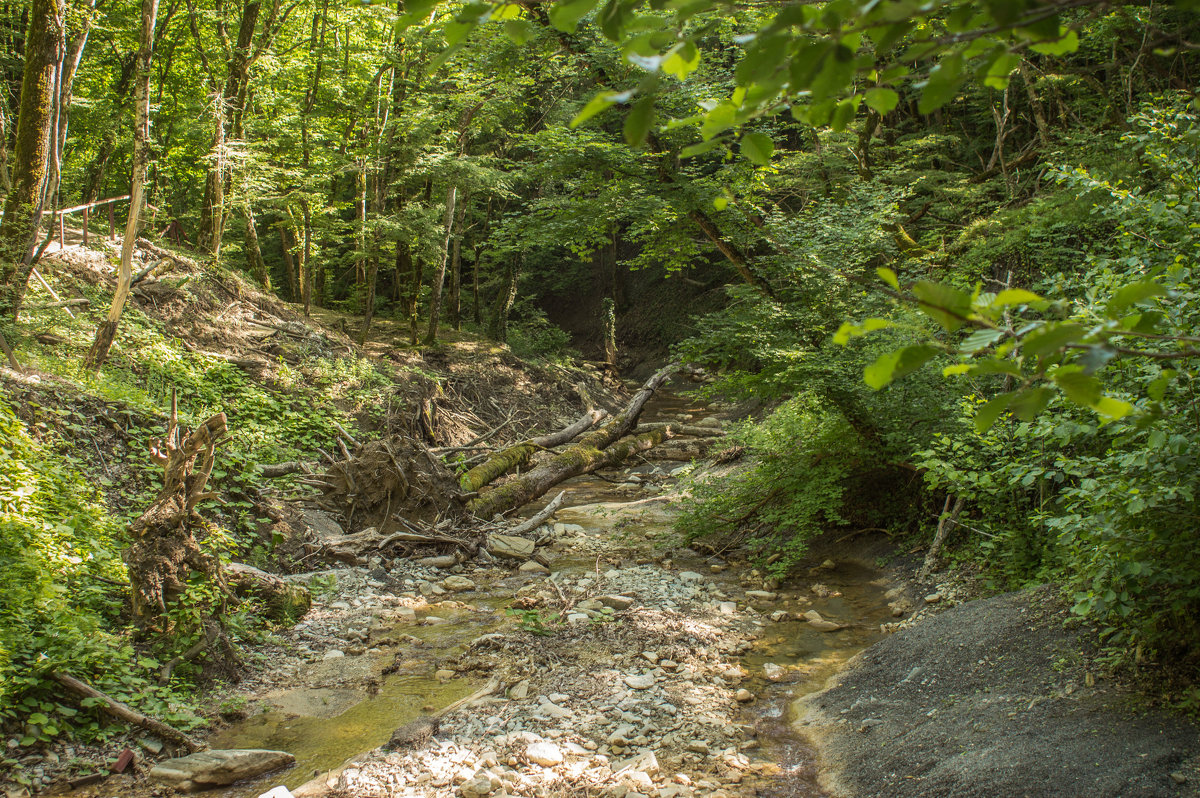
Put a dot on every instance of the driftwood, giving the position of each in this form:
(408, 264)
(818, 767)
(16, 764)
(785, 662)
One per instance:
(576, 460)
(126, 713)
(291, 467)
(537, 520)
(517, 455)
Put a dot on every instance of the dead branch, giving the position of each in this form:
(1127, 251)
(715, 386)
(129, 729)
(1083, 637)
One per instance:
(126, 713)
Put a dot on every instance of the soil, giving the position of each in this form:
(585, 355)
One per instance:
(992, 698)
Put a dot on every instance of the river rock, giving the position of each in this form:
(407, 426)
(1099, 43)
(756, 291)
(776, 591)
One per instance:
(518, 548)
(457, 584)
(822, 625)
(616, 602)
(445, 561)
(545, 754)
(812, 615)
(773, 672)
(691, 576)
(277, 792)
(641, 681)
(727, 607)
(218, 767)
(533, 567)
(519, 691)
(761, 595)
(642, 763)
(743, 696)
(334, 653)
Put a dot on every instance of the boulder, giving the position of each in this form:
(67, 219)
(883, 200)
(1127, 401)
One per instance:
(518, 548)
(642, 681)
(218, 767)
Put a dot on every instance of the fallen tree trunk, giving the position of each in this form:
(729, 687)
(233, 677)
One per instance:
(127, 713)
(282, 600)
(686, 429)
(271, 470)
(518, 454)
(578, 459)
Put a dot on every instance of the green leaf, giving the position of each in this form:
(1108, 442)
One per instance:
(700, 148)
(980, 339)
(1112, 408)
(945, 304)
(1080, 388)
(881, 100)
(1131, 294)
(38, 718)
(639, 121)
(895, 365)
(720, 203)
(758, 148)
(999, 69)
(1068, 43)
(601, 102)
(682, 60)
(1051, 338)
(942, 86)
(888, 276)
(566, 15)
(519, 31)
(1029, 403)
(986, 416)
(1014, 296)
(848, 330)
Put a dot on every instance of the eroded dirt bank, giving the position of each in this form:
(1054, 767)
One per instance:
(991, 698)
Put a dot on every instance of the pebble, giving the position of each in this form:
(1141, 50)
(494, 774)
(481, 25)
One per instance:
(533, 567)
(743, 696)
(691, 576)
(727, 607)
(1179, 777)
(773, 672)
(334, 653)
(933, 598)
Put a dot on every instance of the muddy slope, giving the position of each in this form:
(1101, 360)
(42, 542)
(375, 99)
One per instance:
(989, 699)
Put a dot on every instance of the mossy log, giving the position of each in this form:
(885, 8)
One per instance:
(282, 600)
(581, 458)
(517, 455)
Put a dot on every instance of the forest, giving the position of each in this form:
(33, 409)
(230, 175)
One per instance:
(939, 255)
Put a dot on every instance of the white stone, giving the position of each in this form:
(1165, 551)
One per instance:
(641, 681)
(691, 576)
(545, 754)
(773, 672)
(334, 653)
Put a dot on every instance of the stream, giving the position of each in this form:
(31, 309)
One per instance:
(333, 709)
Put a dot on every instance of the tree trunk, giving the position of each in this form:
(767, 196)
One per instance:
(608, 312)
(141, 156)
(498, 329)
(254, 258)
(435, 300)
(289, 263)
(584, 457)
(578, 459)
(212, 211)
(23, 207)
(475, 311)
(306, 265)
(456, 269)
(518, 455)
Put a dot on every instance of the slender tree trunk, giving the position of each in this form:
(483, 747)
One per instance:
(456, 269)
(435, 301)
(1035, 103)
(476, 314)
(23, 207)
(141, 156)
(608, 312)
(5, 183)
(212, 212)
(498, 330)
(306, 264)
(254, 258)
(66, 83)
(289, 264)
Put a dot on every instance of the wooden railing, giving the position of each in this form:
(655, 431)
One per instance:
(86, 210)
